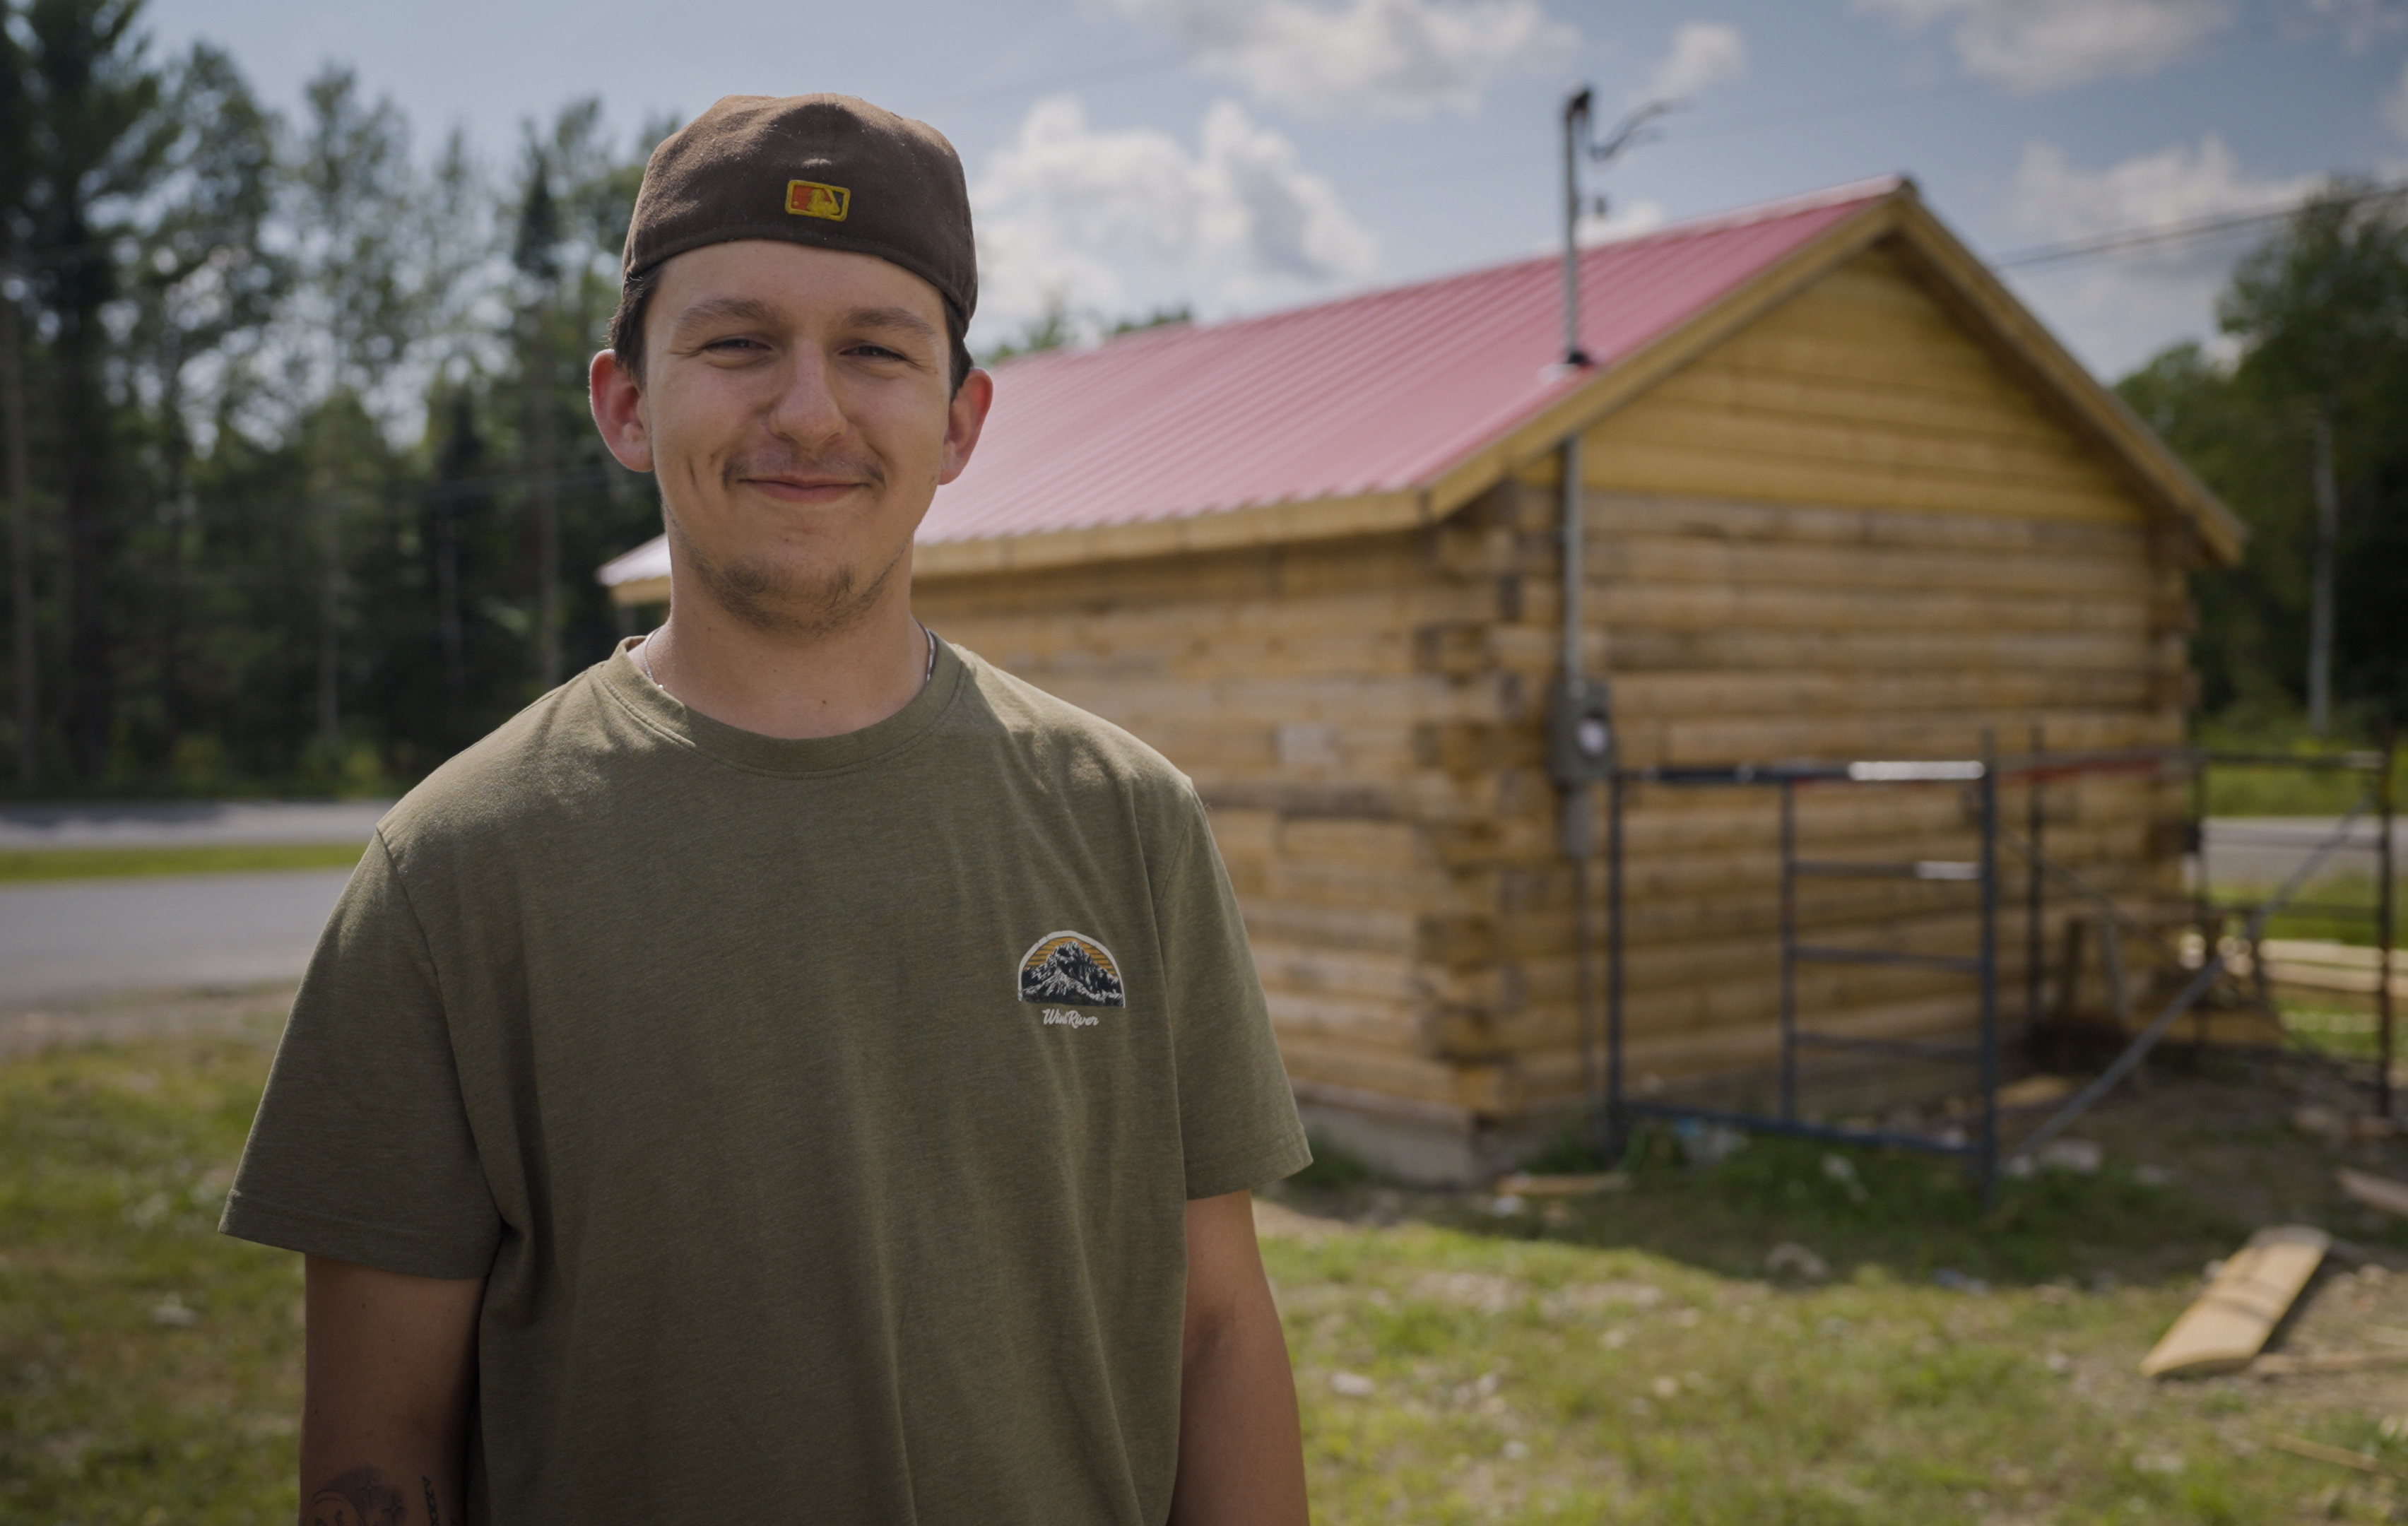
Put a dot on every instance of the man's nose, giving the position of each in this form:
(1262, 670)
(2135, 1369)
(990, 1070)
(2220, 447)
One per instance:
(806, 409)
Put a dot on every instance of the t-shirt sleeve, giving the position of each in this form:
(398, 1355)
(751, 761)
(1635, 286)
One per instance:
(362, 1149)
(1237, 1114)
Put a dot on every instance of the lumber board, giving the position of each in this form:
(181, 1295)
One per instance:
(2227, 1326)
(1370, 930)
(1919, 735)
(1314, 1060)
(1791, 519)
(1377, 1024)
(1635, 462)
(1817, 347)
(1393, 979)
(2370, 1191)
(1680, 1052)
(1695, 649)
(1903, 329)
(1805, 690)
(1901, 610)
(1672, 419)
(2335, 1361)
(1739, 387)
(1556, 1074)
(1614, 555)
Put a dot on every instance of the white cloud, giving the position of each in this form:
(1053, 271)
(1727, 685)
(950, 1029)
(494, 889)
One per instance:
(1703, 53)
(2174, 185)
(2125, 307)
(1067, 214)
(2039, 44)
(2361, 22)
(1396, 56)
(1622, 222)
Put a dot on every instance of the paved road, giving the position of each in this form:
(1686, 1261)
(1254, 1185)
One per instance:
(65, 940)
(189, 823)
(2262, 851)
(80, 938)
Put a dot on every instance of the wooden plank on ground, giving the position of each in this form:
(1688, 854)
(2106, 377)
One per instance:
(2227, 1325)
(2375, 1192)
(2338, 1456)
(2337, 1362)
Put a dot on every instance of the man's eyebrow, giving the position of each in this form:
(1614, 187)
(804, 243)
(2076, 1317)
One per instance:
(746, 310)
(890, 318)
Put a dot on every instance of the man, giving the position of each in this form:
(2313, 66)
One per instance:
(792, 1071)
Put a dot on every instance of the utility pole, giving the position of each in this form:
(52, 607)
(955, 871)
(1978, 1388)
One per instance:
(1581, 728)
(1576, 127)
(21, 540)
(1580, 723)
(2320, 607)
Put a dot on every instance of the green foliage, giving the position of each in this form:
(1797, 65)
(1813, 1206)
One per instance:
(2319, 317)
(314, 496)
(17, 864)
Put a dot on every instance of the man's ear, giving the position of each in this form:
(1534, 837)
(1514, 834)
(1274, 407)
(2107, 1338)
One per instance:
(618, 402)
(963, 419)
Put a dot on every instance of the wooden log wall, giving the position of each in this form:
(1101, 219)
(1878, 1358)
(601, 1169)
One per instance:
(1850, 530)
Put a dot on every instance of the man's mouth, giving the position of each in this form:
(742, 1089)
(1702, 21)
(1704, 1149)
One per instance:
(803, 488)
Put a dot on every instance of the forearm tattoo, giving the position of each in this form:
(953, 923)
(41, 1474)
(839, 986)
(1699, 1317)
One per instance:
(363, 1498)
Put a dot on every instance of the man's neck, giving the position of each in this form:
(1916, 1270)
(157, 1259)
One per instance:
(786, 687)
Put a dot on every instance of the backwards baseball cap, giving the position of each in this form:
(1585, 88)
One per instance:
(824, 170)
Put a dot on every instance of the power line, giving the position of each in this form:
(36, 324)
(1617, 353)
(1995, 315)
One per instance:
(2158, 234)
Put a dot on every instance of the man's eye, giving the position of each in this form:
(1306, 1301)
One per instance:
(735, 342)
(878, 352)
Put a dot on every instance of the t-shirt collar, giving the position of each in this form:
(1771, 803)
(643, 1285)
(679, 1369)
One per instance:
(660, 711)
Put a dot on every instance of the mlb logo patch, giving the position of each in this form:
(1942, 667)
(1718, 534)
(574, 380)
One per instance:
(809, 199)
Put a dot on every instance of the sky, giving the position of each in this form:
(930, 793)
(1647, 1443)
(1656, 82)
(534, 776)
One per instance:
(1236, 155)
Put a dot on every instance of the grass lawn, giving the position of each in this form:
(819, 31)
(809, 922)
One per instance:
(1626, 1359)
(18, 865)
(149, 1367)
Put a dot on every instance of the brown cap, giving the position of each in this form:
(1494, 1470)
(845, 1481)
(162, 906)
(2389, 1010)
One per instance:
(827, 170)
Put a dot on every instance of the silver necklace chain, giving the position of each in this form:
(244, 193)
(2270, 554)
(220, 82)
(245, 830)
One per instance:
(928, 674)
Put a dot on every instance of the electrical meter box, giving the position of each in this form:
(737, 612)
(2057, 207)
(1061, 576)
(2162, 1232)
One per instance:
(1580, 732)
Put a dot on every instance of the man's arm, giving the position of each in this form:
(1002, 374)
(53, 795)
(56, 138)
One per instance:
(1241, 1453)
(392, 1365)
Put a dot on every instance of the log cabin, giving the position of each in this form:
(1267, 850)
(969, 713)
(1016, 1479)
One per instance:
(1840, 495)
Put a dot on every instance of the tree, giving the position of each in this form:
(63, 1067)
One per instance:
(16, 178)
(2299, 434)
(358, 312)
(574, 203)
(99, 136)
(205, 285)
(2322, 314)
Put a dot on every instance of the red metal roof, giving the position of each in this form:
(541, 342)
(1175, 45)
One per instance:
(1370, 393)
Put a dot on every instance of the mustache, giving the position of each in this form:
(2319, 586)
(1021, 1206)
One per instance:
(842, 466)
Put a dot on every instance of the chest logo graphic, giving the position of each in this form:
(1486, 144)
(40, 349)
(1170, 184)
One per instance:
(1070, 967)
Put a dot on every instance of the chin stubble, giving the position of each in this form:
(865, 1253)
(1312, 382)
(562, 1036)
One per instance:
(776, 600)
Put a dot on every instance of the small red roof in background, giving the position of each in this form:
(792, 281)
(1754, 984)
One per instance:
(1371, 394)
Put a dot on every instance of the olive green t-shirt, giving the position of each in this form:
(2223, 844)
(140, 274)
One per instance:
(821, 1113)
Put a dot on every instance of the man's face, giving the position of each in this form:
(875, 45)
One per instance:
(797, 410)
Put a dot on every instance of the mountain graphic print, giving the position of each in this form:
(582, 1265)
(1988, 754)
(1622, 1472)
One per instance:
(1071, 969)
